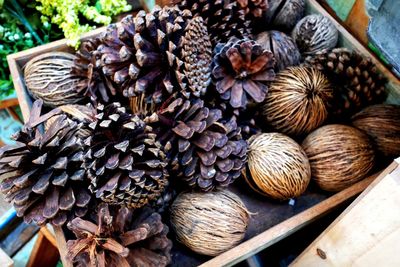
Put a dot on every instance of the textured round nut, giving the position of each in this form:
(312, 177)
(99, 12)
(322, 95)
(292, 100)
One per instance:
(278, 166)
(297, 101)
(209, 223)
(315, 33)
(339, 156)
(284, 14)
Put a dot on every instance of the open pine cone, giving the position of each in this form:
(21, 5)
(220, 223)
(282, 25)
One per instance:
(126, 165)
(157, 54)
(254, 7)
(42, 174)
(119, 237)
(206, 149)
(242, 70)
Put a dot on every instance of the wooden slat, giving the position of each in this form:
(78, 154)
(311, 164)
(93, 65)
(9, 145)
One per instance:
(358, 20)
(5, 260)
(62, 245)
(8, 103)
(44, 252)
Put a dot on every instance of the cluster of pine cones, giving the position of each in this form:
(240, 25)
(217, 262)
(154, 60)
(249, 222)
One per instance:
(168, 91)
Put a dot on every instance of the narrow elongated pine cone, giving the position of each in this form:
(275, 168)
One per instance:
(224, 18)
(42, 175)
(157, 54)
(241, 72)
(120, 237)
(359, 84)
(126, 165)
(253, 8)
(207, 150)
(87, 66)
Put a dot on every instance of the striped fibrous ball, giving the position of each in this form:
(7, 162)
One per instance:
(278, 167)
(339, 156)
(209, 223)
(297, 101)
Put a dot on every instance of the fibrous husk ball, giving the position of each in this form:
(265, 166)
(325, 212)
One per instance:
(283, 14)
(278, 166)
(209, 223)
(339, 156)
(48, 77)
(315, 33)
(382, 123)
(298, 100)
(282, 46)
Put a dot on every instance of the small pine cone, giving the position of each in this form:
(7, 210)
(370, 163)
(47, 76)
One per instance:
(86, 65)
(254, 8)
(242, 70)
(42, 174)
(157, 54)
(120, 237)
(206, 149)
(359, 84)
(126, 165)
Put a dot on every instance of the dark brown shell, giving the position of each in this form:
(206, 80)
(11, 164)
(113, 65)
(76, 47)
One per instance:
(339, 156)
(284, 14)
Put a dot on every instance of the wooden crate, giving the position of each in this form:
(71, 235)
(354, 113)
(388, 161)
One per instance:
(272, 221)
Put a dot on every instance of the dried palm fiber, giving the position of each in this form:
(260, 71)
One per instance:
(283, 14)
(209, 223)
(86, 66)
(339, 156)
(241, 72)
(157, 53)
(205, 148)
(48, 77)
(119, 237)
(382, 124)
(298, 100)
(277, 167)
(42, 174)
(224, 18)
(356, 78)
(125, 162)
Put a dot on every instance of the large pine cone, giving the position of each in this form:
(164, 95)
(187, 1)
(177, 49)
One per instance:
(158, 53)
(242, 70)
(119, 237)
(253, 8)
(42, 174)
(206, 149)
(224, 18)
(357, 77)
(126, 165)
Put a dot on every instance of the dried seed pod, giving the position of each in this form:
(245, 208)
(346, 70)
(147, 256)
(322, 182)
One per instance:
(209, 223)
(284, 14)
(48, 77)
(315, 33)
(339, 156)
(382, 123)
(298, 101)
(278, 166)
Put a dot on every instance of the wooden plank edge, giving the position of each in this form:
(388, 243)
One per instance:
(287, 227)
(49, 235)
(62, 245)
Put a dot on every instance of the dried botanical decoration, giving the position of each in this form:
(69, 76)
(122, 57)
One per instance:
(357, 79)
(156, 54)
(120, 237)
(315, 33)
(284, 14)
(207, 150)
(87, 66)
(48, 77)
(282, 46)
(242, 70)
(125, 162)
(298, 101)
(42, 174)
(224, 18)
(277, 167)
(382, 123)
(209, 223)
(253, 8)
(339, 156)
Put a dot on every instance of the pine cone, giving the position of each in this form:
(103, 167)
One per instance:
(254, 7)
(206, 149)
(126, 165)
(242, 69)
(42, 174)
(86, 65)
(358, 80)
(158, 53)
(224, 18)
(120, 238)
